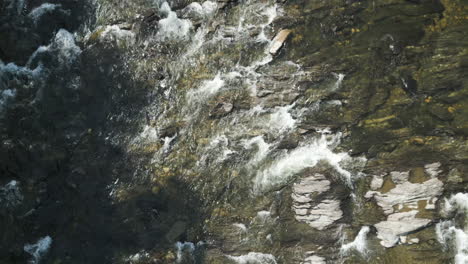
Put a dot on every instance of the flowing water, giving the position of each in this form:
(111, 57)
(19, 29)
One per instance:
(184, 132)
(242, 144)
(453, 234)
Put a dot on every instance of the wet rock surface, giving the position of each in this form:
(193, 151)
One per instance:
(233, 131)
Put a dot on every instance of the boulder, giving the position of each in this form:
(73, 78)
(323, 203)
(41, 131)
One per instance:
(279, 40)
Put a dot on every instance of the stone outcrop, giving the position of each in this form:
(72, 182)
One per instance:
(318, 215)
(403, 202)
(407, 194)
(397, 225)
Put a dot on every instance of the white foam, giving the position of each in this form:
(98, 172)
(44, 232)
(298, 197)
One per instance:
(271, 13)
(8, 93)
(222, 143)
(138, 256)
(207, 89)
(254, 258)
(6, 96)
(205, 9)
(340, 77)
(39, 249)
(250, 74)
(240, 25)
(281, 120)
(219, 147)
(172, 27)
(320, 149)
(461, 242)
(167, 143)
(183, 249)
(43, 9)
(242, 227)
(443, 232)
(22, 75)
(269, 238)
(262, 152)
(64, 43)
(115, 34)
(256, 110)
(448, 233)
(197, 42)
(164, 7)
(37, 52)
(457, 202)
(194, 7)
(10, 194)
(13, 69)
(263, 217)
(261, 62)
(262, 37)
(149, 133)
(209, 7)
(359, 243)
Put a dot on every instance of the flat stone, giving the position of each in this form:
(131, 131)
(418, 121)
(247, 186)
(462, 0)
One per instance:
(322, 215)
(433, 169)
(279, 40)
(301, 212)
(397, 225)
(316, 183)
(317, 216)
(301, 198)
(407, 193)
(399, 177)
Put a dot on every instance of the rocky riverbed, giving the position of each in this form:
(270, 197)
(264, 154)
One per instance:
(233, 131)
